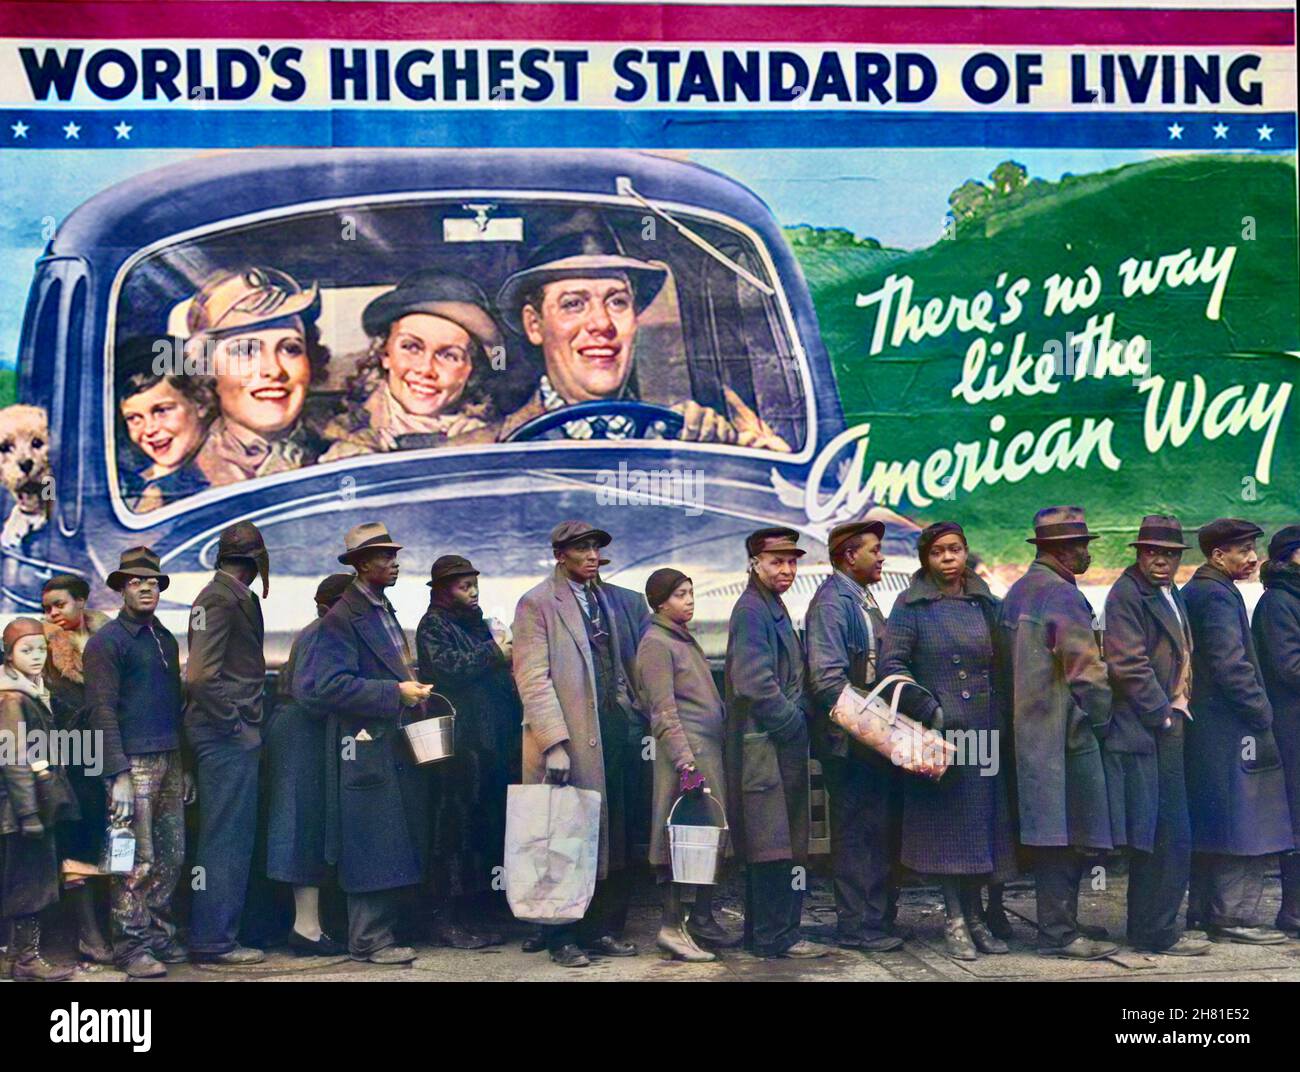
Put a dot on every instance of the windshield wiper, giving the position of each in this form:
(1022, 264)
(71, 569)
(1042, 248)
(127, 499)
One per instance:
(625, 189)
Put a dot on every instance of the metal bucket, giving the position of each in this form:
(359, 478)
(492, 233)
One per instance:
(433, 738)
(695, 850)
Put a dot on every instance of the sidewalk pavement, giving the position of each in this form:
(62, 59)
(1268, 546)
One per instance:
(920, 960)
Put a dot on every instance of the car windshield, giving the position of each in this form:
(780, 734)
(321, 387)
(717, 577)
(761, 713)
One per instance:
(325, 334)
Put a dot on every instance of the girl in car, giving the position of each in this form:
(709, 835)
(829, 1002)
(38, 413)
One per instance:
(422, 382)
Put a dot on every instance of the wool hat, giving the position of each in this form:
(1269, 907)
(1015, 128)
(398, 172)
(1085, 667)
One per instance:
(437, 293)
(449, 566)
(332, 587)
(1284, 544)
(243, 539)
(931, 533)
(661, 584)
(19, 628)
(1224, 531)
(842, 534)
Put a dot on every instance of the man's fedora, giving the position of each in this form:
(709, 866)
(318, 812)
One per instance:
(449, 566)
(1161, 530)
(368, 536)
(244, 300)
(137, 562)
(1055, 523)
(579, 255)
(567, 532)
(442, 294)
(243, 539)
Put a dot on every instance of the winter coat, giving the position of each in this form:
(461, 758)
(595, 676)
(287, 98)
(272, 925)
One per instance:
(1276, 628)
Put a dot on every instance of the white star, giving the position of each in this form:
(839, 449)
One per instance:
(123, 130)
(1220, 130)
(1265, 132)
(1176, 132)
(71, 130)
(20, 129)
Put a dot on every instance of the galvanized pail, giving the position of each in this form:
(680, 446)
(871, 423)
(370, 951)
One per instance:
(695, 850)
(433, 737)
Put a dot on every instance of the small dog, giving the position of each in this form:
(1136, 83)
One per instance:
(25, 472)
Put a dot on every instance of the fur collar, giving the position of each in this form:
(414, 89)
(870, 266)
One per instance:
(65, 657)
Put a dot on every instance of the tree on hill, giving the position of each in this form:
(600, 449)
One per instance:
(808, 236)
(974, 200)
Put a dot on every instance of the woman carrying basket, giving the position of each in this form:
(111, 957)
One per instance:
(686, 718)
(942, 632)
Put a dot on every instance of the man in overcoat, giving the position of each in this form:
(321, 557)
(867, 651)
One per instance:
(1235, 784)
(1060, 708)
(845, 631)
(376, 797)
(1276, 626)
(225, 674)
(569, 669)
(1148, 647)
(768, 748)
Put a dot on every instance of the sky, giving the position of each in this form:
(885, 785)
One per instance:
(898, 196)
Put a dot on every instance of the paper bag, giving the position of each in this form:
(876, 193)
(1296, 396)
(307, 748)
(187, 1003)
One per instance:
(552, 851)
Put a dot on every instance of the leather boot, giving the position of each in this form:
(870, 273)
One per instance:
(29, 965)
(91, 944)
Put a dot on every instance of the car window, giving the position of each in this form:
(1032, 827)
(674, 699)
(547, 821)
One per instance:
(310, 338)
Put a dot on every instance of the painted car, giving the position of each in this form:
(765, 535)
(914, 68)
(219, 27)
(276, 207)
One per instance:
(734, 314)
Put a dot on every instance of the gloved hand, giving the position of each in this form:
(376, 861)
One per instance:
(31, 826)
(557, 764)
(690, 780)
(936, 720)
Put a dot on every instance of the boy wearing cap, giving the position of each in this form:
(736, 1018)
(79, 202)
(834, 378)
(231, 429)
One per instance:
(1235, 784)
(845, 632)
(134, 700)
(768, 748)
(1276, 626)
(225, 674)
(568, 667)
(1061, 708)
(1148, 647)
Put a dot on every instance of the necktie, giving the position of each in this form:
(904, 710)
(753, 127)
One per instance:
(593, 608)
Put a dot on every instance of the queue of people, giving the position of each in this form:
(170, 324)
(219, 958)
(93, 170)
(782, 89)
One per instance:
(1170, 736)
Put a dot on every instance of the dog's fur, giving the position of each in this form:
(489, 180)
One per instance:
(25, 471)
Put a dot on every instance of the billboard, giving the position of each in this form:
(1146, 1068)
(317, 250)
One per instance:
(297, 263)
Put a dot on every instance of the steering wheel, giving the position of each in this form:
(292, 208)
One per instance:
(641, 414)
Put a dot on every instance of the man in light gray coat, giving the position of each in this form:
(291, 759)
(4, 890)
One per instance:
(576, 695)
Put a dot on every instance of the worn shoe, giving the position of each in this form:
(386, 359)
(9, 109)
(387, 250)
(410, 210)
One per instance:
(880, 943)
(1097, 934)
(239, 955)
(94, 952)
(456, 936)
(170, 952)
(144, 966)
(609, 946)
(1184, 947)
(675, 941)
(570, 956)
(804, 950)
(28, 964)
(711, 932)
(1246, 935)
(324, 946)
(1289, 927)
(957, 942)
(1080, 949)
(390, 954)
(535, 942)
(984, 938)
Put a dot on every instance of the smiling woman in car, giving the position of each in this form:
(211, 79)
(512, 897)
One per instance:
(254, 333)
(422, 382)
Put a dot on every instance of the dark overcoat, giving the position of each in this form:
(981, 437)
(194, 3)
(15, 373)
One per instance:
(29, 867)
(1145, 645)
(767, 724)
(377, 798)
(296, 755)
(225, 668)
(960, 825)
(1060, 706)
(835, 633)
(459, 657)
(1235, 785)
(1277, 638)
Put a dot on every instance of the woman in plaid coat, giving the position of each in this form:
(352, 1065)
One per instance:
(942, 632)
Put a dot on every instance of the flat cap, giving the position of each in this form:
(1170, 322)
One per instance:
(775, 538)
(1226, 530)
(567, 532)
(842, 534)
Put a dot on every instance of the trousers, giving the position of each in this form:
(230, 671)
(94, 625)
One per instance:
(866, 823)
(1226, 890)
(773, 907)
